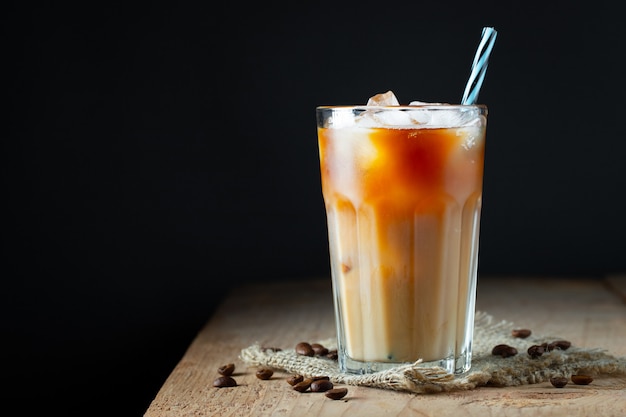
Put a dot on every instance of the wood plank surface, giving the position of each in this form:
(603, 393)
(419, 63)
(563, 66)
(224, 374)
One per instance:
(588, 312)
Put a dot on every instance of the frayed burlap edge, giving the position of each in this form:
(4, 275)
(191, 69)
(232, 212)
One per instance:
(487, 369)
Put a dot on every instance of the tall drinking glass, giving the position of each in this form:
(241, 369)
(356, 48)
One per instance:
(402, 186)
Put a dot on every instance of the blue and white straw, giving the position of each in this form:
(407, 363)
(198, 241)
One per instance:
(479, 66)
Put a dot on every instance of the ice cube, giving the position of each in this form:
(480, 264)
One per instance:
(419, 117)
(378, 118)
(393, 118)
(449, 118)
(446, 116)
(383, 99)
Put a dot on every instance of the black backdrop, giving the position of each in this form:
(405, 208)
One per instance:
(156, 156)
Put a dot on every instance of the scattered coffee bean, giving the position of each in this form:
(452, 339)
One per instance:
(504, 350)
(536, 351)
(581, 379)
(271, 349)
(303, 385)
(319, 349)
(558, 344)
(521, 333)
(321, 385)
(305, 349)
(336, 393)
(264, 373)
(294, 379)
(226, 370)
(332, 354)
(224, 381)
(558, 381)
(321, 378)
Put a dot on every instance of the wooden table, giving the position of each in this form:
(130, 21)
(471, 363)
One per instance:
(590, 312)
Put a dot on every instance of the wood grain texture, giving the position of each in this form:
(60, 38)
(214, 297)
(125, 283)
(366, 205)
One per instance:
(588, 312)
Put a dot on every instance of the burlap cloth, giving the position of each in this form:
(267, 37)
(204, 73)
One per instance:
(487, 369)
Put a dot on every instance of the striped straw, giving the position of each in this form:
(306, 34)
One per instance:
(479, 66)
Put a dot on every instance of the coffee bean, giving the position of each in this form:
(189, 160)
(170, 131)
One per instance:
(336, 393)
(521, 333)
(264, 373)
(511, 351)
(536, 351)
(224, 381)
(321, 385)
(294, 379)
(226, 370)
(271, 349)
(303, 385)
(581, 379)
(504, 350)
(558, 344)
(304, 349)
(319, 349)
(558, 381)
(332, 354)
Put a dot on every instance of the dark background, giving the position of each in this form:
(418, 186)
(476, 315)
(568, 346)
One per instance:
(156, 156)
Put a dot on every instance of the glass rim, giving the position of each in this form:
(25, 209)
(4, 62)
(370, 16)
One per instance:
(426, 106)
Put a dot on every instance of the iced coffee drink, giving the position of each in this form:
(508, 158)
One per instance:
(402, 187)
